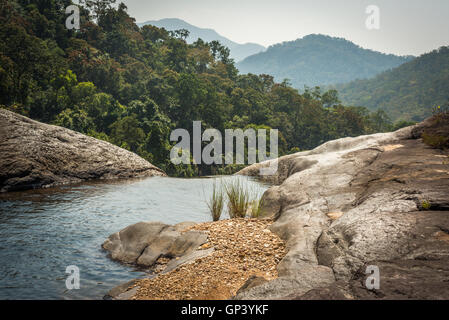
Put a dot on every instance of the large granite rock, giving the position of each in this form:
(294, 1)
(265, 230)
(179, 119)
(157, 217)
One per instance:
(380, 199)
(158, 247)
(144, 243)
(36, 155)
(400, 280)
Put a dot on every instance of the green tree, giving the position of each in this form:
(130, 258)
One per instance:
(126, 133)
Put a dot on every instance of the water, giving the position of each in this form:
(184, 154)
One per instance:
(44, 231)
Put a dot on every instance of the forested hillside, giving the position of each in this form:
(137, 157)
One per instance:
(238, 51)
(132, 86)
(408, 92)
(319, 60)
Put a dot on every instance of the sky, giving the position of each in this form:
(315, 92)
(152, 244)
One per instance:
(406, 27)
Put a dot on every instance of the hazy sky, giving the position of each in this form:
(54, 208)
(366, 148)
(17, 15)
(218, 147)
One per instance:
(406, 26)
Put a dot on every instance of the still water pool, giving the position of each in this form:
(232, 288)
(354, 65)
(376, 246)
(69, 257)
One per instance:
(44, 231)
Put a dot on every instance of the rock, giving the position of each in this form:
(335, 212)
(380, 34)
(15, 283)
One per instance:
(337, 291)
(171, 243)
(399, 280)
(252, 282)
(306, 279)
(128, 244)
(381, 197)
(188, 258)
(122, 291)
(37, 155)
(236, 251)
(157, 247)
(144, 243)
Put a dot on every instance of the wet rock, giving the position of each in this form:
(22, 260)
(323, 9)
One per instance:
(37, 155)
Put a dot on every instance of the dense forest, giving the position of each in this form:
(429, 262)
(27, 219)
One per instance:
(409, 91)
(132, 86)
(319, 60)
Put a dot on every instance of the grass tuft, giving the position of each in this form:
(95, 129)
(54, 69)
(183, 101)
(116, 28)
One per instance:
(256, 208)
(238, 199)
(216, 202)
(242, 199)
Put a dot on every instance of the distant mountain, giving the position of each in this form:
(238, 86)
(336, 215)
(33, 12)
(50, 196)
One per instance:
(407, 92)
(238, 51)
(319, 60)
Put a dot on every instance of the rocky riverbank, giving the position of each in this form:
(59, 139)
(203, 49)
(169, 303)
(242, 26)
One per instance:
(379, 200)
(38, 155)
(232, 253)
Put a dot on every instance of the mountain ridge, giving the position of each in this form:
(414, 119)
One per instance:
(408, 92)
(316, 60)
(238, 51)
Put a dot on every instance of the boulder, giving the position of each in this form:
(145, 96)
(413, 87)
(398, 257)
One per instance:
(37, 155)
(144, 243)
(376, 199)
(128, 244)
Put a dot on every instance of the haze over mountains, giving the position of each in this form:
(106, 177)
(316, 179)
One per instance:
(238, 51)
(405, 87)
(318, 60)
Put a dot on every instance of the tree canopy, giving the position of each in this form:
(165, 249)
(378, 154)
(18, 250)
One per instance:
(132, 86)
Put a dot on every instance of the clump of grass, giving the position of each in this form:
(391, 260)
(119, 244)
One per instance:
(426, 205)
(242, 199)
(256, 208)
(216, 202)
(435, 141)
(238, 199)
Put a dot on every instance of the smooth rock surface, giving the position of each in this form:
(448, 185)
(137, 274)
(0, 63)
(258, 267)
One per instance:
(353, 201)
(36, 155)
(400, 280)
(123, 291)
(144, 243)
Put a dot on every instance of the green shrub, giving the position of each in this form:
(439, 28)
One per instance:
(426, 205)
(435, 141)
